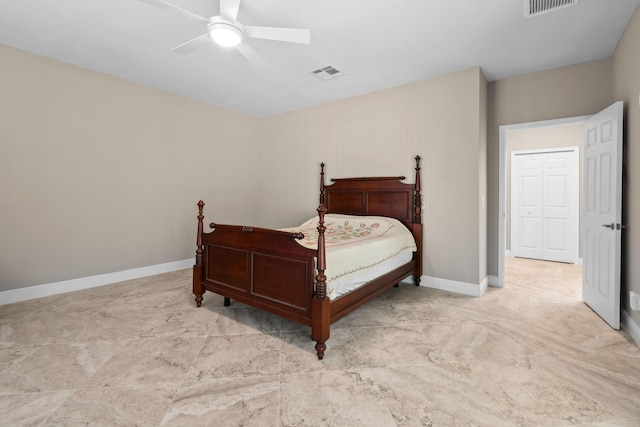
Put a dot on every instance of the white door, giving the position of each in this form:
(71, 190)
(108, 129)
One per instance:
(603, 213)
(526, 218)
(545, 204)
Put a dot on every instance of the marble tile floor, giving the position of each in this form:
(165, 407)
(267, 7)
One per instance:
(140, 353)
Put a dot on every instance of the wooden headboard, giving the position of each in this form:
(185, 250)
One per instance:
(379, 196)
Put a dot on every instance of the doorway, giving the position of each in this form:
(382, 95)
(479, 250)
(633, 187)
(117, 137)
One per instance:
(507, 136)
(603, 143)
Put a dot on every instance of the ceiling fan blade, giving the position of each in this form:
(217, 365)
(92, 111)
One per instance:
(293, 35)
(172, 8)
(229, 9)
(251, 55)
(193, 44)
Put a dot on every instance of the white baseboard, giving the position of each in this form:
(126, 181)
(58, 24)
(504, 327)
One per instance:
(493, 281)
(629, 325)
(38, 291)
(464, 288)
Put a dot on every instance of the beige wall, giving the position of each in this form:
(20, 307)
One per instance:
(577, 90)
(626, 77)
(379, 133)
(99, 175)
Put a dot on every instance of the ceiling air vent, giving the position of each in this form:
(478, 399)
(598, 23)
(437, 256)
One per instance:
(540, 7)
(327, 73)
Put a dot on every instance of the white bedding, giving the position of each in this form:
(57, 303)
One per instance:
(358, 248)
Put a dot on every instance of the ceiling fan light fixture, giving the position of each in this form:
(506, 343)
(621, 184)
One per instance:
(225, 34)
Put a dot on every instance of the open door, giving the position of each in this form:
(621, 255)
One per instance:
(603, 213)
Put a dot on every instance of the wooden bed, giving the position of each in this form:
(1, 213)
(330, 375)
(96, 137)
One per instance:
(269, 270)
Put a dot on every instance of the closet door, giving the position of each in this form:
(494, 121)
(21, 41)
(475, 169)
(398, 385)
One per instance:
(544, 190)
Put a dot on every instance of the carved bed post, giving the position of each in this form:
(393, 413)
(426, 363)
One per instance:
(417, 222)
(418, 196)
(321, 305)
(322, 184)
(197, 268)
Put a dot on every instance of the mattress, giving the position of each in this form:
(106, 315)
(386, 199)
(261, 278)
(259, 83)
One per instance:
(358, 248)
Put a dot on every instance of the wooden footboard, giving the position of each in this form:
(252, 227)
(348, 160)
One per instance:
(269, 270)
(260, 267)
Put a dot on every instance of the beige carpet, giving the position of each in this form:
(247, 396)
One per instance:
(140, 353)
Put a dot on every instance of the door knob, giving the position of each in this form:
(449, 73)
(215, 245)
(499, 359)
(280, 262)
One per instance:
(611, 226)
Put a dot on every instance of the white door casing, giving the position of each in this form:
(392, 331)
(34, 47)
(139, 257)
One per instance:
(545, 194)
(603, 213)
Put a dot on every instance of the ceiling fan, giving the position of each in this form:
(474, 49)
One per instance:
(227, 31)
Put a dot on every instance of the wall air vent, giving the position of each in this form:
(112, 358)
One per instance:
(534, 8)
(327, 73)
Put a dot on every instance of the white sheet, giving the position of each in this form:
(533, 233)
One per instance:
(358, 248)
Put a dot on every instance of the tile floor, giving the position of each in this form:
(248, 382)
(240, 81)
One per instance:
(140, 353)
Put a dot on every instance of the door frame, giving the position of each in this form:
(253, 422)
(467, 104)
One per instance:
(575, 188)
(502, 181)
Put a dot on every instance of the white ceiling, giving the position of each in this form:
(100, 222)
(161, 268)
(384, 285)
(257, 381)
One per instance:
(376, 43)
